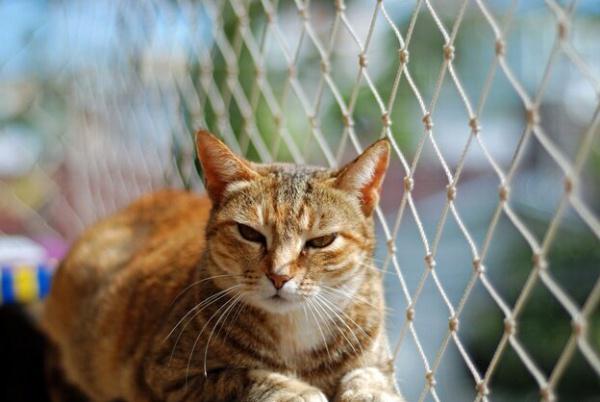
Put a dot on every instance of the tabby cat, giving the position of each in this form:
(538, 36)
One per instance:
(264, 291)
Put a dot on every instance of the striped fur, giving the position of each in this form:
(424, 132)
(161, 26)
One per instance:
(146, 308)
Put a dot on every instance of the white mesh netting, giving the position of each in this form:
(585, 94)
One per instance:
(488, 223)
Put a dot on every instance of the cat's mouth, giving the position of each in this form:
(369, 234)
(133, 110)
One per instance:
(278, 303)
(277, 298)
(280, 300)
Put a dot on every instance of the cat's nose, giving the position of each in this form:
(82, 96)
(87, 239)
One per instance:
(278, 280)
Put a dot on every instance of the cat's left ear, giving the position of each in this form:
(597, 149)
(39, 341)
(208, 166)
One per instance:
(364, 175)
(221, 167)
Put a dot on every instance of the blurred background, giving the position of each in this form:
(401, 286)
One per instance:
(99, 101)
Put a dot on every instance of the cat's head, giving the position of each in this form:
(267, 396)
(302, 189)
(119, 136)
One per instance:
(281, 234)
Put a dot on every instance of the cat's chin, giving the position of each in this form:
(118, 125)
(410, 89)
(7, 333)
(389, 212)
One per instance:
(277, 304)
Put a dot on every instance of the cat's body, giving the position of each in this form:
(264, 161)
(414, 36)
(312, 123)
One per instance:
(145, 308)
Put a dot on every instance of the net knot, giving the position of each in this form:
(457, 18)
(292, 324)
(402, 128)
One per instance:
(510, 327)
(449, 52)
(404, 56)
(362, 60)
(313, 121)
(453, 324)
(578, 325)
(478, 267)
(532, 115)
(303, 13)
(482, 388)
(259, 73)
(325, 67)
(348, 122)
(569, 184)
(430, 261)
(539, 261)
(231, 71)
(385, 119)
(409, 184)
(277, 120)
(504, 192)
(563, 29)
(427, 121)
(451, 192)
(430, 378)
(474, 124)
(500, 47)
(243, 19)
(340, 6)
(391, 246)
(270, 16)
(291, 71)
(547, 394)
(410, 314)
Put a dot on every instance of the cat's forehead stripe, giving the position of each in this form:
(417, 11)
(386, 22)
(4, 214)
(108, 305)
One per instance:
(293, 193)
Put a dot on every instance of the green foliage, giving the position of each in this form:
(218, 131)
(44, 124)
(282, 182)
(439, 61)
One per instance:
(543, 327)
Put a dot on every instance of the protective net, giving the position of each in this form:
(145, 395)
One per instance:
(488, 222)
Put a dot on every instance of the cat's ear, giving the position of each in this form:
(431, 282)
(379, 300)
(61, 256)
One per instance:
(221, 167)
(364, 175)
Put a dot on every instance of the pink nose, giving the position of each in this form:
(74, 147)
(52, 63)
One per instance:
(278, 280)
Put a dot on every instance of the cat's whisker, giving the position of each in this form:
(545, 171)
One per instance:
(331, 305)
(326, 320)
(223, 316)
(311, 310)
(387, 310)
(234, 316)
(377, 260)
(340, 313)
(350, 296)
(189, 362)
(322, 305)
(200, 282)
(347, 295)
(209, 300)
(242, 307)
(327, 304)
(380, 261)
(212, 299)
(337, 308)
(374, 268)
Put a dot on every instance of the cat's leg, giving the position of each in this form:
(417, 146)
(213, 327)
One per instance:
(241, 386)
(367, 384)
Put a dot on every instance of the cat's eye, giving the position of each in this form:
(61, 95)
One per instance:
(251, 234)
(322, 241)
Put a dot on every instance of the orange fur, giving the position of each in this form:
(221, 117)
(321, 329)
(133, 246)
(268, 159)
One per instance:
(167, 301)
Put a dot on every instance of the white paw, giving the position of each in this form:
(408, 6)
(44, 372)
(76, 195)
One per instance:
(368, 396)
(308, 395)
(367, 384)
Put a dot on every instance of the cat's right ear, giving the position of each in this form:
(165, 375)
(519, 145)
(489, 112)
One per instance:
(221, 167)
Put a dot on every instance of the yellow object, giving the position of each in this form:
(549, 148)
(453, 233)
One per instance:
(26, 286)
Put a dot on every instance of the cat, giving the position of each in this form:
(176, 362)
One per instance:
(263, 291)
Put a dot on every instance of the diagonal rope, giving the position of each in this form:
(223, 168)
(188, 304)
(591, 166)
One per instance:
(228, 40)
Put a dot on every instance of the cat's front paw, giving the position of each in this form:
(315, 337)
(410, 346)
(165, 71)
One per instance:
(366, 395)
(276, 387)
(307, 395)
(367, 385)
